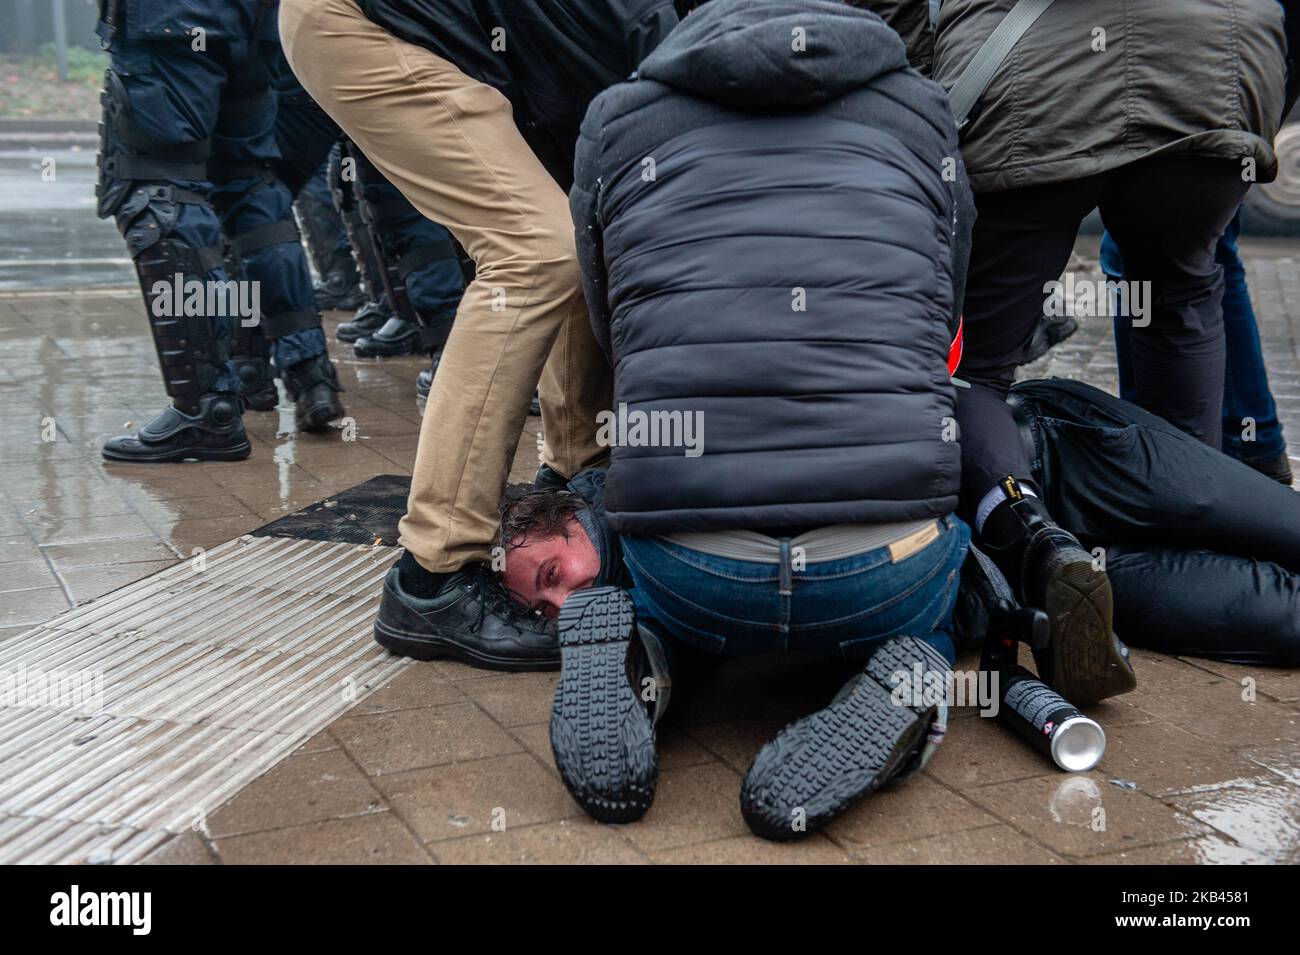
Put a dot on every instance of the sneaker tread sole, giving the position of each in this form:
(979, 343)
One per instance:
(601, 734)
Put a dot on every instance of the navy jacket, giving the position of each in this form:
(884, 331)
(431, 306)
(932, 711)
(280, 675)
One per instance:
(773, 224)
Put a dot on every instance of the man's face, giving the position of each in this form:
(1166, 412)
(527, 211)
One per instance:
(542, 571)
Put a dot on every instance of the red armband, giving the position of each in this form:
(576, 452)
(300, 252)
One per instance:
(954, 351)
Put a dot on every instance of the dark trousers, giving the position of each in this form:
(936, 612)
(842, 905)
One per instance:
(1203, 552)
(1246, 393)
(1166, 214)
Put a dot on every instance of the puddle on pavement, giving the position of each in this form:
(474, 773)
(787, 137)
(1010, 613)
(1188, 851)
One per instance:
(1263, 815)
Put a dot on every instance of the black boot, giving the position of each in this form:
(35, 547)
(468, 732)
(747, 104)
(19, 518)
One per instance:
(1049, 569)
(818, 766)
(1278, 468)
(423, 383)
(211, 431)
(339, 291)
(468, 617)
(1048, 333)
(202, 424)
(314, 386)
(340, 285)
(257, 383)
(424, 380)
(602, 731)
(396, 337)
(369, 318)
(252, 360)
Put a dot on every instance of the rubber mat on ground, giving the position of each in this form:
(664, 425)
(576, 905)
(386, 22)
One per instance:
(363, 514)
(366, 513)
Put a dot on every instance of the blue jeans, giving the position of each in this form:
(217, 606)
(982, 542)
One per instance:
(843, 608)
(1245, 385)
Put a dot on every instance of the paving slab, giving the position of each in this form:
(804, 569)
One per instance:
(443, 762)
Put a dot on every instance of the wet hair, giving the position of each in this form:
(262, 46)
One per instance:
(540, 513)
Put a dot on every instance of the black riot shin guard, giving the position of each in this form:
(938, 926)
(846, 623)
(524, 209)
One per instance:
(137, 177)
(410, 329)
(203, 423)
(319, 222)
(322, 226)
(135, 188)
(252, 360)
(345, 201)
(191, 352)
(251, 353)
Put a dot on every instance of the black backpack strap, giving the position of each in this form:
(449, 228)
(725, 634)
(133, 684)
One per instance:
(984, 65)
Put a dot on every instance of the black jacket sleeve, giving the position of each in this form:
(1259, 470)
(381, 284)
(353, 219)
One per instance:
(645, 24)
(963, 219)
(910, 19)
(584, 204)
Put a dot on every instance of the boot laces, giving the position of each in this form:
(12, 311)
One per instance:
(494, 598)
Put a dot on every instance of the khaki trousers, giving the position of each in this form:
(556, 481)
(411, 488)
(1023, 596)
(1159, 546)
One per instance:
(450, 144)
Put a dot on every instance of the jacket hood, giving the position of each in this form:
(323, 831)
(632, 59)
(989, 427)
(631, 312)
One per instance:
(775, 54)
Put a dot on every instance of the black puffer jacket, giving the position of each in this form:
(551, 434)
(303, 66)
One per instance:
(549, 57)
(734, 180)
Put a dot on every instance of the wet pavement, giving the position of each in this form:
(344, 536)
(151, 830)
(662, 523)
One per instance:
(438, 762)
(50, 236)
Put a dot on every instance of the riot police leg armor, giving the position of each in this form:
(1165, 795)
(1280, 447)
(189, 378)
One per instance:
(156, 191)
(419, 265)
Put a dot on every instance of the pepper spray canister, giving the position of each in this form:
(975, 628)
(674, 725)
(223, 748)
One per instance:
(1049, 722)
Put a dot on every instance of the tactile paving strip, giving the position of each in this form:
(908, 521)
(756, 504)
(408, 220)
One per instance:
(178, 690)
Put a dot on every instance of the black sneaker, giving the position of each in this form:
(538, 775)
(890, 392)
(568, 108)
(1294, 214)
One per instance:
(1049, 569)
(369, 318)
(471, 619)
(314, 386)
(214, 432)
(818, 766)
(602, 734)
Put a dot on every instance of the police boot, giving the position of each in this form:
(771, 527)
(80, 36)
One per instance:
(340, 285)
(313, 384)
(210, 431)
(1049, 569)
(338, 291)
(369, 318)
(397, 337)
(424, 380)
(203, 423)
(1048, 333)
(252, 360)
